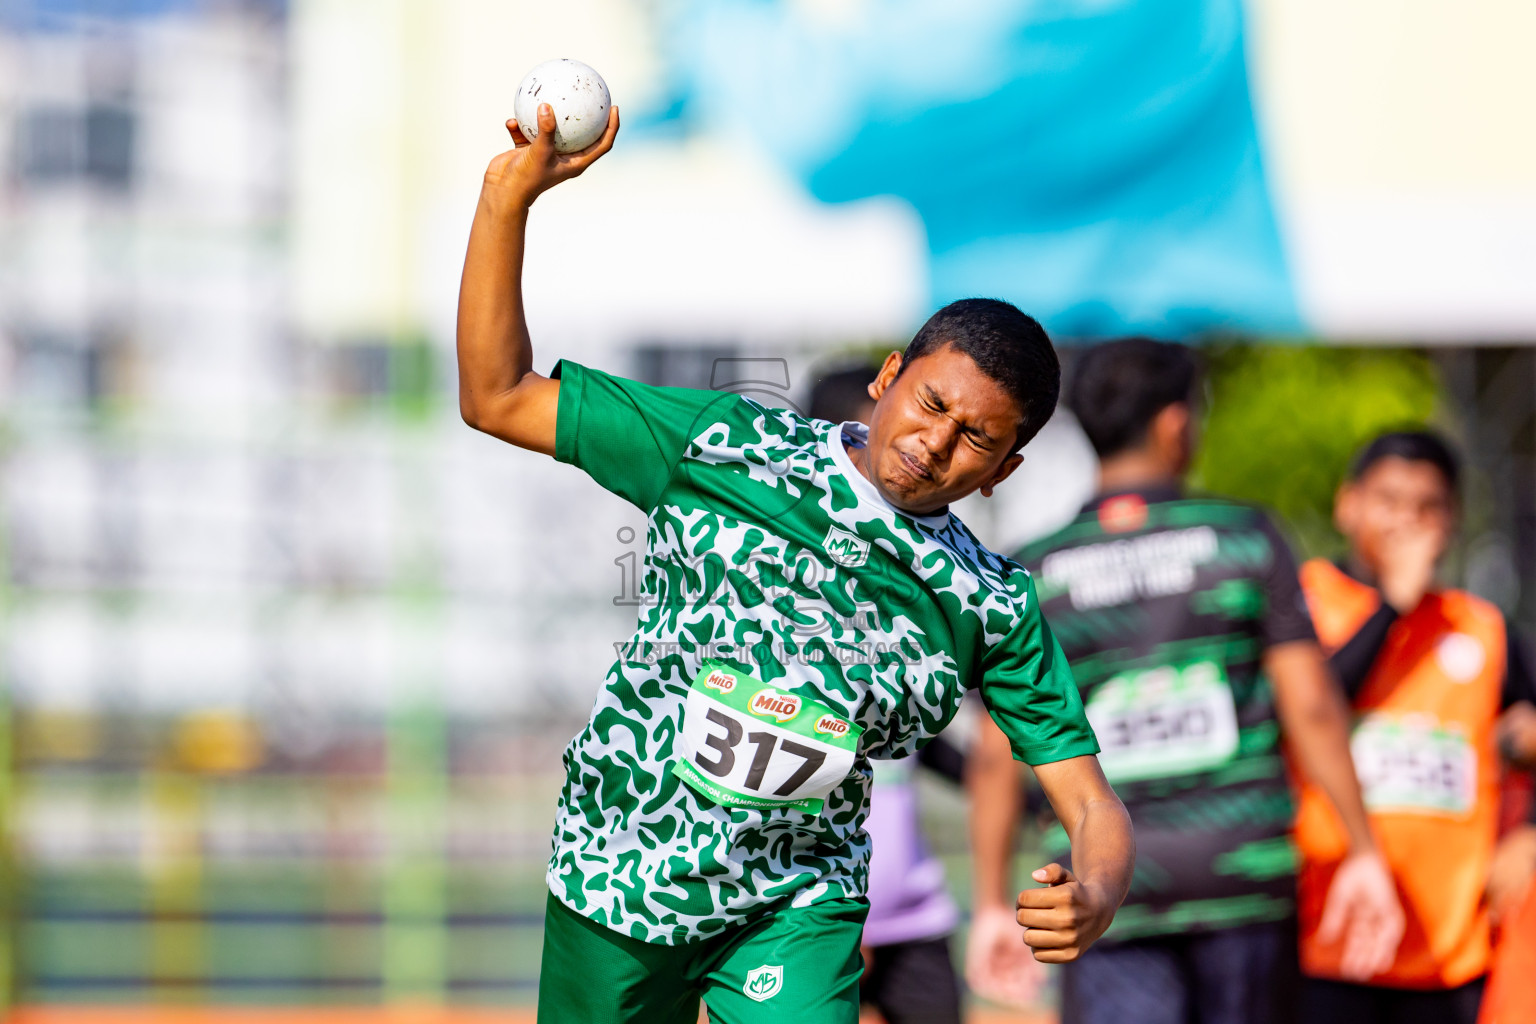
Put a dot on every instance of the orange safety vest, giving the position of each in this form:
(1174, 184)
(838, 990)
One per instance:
(1425, 751)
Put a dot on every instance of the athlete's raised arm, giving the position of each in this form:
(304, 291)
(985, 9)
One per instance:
(498, 391)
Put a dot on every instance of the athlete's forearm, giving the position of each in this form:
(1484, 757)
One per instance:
(498, 391)
(1103, 860)
(1103, 848)
(1324, 757)
(992, 782)
(1316, 724)
(494, 348)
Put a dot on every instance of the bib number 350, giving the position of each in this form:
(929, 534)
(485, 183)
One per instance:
(747, 744)
(1165, 721)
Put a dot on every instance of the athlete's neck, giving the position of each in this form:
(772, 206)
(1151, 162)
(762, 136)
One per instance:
(1135, 472)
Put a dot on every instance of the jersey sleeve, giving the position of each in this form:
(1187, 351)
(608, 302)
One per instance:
(1285, 607)
(626, 435)
(1029, 691)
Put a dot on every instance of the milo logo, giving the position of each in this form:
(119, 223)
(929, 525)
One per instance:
(722, 681)
(832, 724)
(772, 704)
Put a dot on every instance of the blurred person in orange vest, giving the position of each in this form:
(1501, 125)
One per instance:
(1429, 673)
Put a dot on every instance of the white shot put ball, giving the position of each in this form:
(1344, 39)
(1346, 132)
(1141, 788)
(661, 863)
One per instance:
(577, 94)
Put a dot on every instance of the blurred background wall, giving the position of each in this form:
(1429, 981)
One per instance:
(289, 653)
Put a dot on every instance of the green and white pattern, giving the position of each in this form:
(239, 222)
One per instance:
(768, 552)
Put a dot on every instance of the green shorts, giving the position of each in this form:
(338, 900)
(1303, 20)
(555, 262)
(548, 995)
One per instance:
(797, 964)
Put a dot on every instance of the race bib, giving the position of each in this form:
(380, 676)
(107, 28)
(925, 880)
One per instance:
(747, 744)
(1411, 763)
(1165, 721)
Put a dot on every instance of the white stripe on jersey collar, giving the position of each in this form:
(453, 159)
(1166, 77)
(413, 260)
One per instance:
(856, 433)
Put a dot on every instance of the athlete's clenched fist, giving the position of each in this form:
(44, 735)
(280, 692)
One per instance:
(1064, 918)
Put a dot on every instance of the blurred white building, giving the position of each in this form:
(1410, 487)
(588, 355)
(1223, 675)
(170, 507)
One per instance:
(146, 341)
(236, 476)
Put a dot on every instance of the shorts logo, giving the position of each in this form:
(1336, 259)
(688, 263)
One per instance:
(846, 549)
(764, 982)
(722, 681)
(832, 724)
(780, 707)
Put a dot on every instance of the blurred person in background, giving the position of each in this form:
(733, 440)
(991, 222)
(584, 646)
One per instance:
(1429, 672)
(1183, 619)
(909, 975)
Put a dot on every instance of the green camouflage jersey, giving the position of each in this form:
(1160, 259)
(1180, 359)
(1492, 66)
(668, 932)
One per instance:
(793, 625)
(1165, 606)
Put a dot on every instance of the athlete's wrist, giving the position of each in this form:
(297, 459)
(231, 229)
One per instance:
(1364, 846)
(504, 201)
(1103, 899)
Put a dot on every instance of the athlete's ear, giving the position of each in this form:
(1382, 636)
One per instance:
(1346, 509)
(1171, 432)
(888, 371)
(1004, 471)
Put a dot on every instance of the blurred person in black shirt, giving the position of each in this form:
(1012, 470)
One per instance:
(1184, 623)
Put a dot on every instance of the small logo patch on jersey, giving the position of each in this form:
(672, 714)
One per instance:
(1460, 656)
(764, 982)
(722, 681)
(1123, 514)
(781, 707)
(846, 549)
(832, 724)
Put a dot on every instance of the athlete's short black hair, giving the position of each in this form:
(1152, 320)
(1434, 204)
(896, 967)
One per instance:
(1007, 345)
(1414, 446)
(1118, 388)
(841, 394)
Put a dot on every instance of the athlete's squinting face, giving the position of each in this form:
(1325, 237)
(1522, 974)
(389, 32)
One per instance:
(938, 432)
(1394, 501)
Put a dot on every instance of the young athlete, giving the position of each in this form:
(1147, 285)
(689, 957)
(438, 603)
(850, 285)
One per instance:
(811, 603)
(1429, 672)
(909, 974)
(1184, 623)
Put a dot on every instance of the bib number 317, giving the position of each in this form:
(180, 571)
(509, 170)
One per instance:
(747, 744)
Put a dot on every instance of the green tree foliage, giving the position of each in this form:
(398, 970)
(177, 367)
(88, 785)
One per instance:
(1284, 421)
